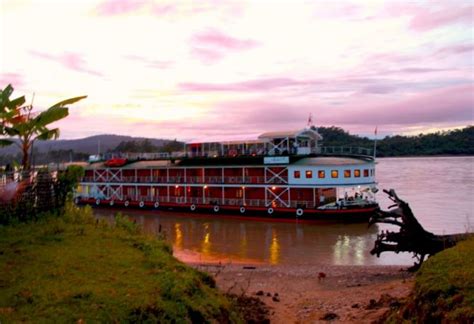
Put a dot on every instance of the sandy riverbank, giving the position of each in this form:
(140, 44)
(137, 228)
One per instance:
(296, 294)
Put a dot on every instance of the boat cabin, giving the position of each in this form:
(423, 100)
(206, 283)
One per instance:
(299, 142)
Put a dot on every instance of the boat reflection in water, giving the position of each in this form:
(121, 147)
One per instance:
(241, 240)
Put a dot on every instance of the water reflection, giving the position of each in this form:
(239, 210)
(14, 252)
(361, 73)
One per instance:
(274, 249)
(178, 241)
(241, 239)
(351, 248)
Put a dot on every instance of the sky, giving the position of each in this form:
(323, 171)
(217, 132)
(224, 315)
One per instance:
(210, 70)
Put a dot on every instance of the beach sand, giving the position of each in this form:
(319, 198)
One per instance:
(312, 293)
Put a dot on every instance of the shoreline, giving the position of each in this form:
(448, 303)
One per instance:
(311, 293)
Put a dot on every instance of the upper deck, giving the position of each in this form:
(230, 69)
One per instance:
(292, 144)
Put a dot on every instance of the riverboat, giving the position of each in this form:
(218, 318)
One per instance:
(280, 174)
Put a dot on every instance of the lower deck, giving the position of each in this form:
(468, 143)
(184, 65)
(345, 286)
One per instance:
(273, 201)
(252, 196)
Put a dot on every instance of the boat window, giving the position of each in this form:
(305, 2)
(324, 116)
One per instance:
(297, 174)
(309, 174)
(366, 173)
(357, 173)
(347, 173)
(334, 174)
(321, 174)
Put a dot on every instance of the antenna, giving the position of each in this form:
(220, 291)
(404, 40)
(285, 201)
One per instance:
(375, 142)
(310, 120)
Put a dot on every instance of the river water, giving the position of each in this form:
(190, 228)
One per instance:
(440, 191)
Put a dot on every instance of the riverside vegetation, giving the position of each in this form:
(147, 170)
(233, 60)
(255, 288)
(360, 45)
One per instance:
(443, 291)
(74, 268)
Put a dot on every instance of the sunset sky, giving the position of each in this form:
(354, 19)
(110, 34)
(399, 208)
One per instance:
(197, 70)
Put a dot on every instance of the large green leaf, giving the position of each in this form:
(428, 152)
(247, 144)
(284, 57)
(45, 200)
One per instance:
(51, 115)
(68, 101)
(5, 142)
(12, 131)
(16, 102)
(50, 134)
(6, 93)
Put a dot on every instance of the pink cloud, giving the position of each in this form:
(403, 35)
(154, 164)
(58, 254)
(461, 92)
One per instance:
(118, 7)
(456, 50)
(249, 85)
(454, 105)
(246, 119)
(15, 79)
(377, 82)
(437, 14)
(430, 19)
(207, 56)
(216, 39)
(212, 45)
(72, 61)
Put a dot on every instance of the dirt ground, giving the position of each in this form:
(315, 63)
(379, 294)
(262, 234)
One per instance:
(312, 293)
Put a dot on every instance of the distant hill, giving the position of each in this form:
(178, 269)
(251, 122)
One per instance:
(455, 142)
(88, 145)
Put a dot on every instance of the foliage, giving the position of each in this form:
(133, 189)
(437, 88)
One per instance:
(172, 146)
(36, 195)
(144, 146)
(66, 182)
(444, 289)
(73, 269)
(455, 142)
(19, 120)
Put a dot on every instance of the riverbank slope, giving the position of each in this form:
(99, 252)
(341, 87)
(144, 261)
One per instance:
(77, 269)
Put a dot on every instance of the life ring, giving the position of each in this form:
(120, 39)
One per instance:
(97, 202)
(141, 204)
(111, 203)
(157, 204)
(299, 212)
(192, 207)
(270, 211)
(216, 208)
(242, 209)
(126, 203)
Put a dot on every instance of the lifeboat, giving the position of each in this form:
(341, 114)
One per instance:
(115, 162)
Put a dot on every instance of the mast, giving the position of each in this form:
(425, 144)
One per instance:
(375, 143)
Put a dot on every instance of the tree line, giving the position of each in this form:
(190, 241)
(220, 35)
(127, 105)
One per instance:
(453, 142)
(146, 146)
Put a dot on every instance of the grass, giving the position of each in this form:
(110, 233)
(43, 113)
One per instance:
(444, 289)
(73, 268)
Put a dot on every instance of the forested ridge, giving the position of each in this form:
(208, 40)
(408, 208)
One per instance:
(454, 142)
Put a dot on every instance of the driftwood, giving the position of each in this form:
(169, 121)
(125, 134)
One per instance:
(412, 237)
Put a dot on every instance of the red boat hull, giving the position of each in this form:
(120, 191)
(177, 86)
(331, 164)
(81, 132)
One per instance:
(360, 214)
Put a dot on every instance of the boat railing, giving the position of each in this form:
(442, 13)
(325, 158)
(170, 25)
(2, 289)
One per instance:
(302, 204)
(305, 204)
(346, 150)
(187, 180)
(322, 150)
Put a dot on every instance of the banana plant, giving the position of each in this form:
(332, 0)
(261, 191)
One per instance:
(18, 120)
